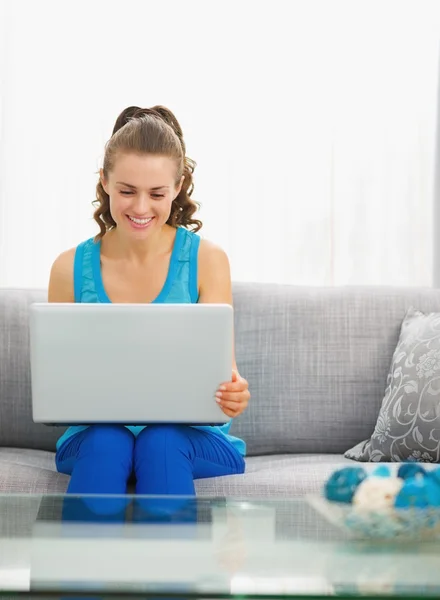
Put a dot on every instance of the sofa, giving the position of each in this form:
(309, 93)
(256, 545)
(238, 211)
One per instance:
(316, 360)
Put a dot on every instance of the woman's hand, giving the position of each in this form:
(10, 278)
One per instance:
(233, 396)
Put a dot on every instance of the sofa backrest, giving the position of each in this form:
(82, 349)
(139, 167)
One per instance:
(16, 426)
(316, 360)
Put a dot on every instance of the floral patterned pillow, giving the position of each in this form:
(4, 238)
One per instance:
(408, 426)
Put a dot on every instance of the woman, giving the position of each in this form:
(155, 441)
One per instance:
(147, 252)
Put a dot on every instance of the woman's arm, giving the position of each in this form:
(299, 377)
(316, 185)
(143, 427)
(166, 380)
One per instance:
(215, 287)
(215, 279)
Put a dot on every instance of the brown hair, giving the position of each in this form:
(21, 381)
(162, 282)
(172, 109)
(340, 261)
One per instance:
(149, 131)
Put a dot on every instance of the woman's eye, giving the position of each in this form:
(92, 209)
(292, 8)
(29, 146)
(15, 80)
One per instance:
(125, 193)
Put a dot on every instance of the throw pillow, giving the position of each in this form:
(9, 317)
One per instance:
(408, 426)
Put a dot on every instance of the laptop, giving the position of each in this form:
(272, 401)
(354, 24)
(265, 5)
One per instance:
(132, 364)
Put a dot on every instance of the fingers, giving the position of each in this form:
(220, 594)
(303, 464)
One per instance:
(233, 405)
(238, 386)
(230, 396)
(231, 412)
(233, 396)
(233, 409)
(236, 378)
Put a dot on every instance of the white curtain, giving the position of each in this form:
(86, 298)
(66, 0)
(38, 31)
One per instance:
(312, 122)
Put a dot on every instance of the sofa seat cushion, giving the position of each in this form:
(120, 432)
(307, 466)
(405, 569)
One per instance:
(25, 471)
(283, 475)
(279, 475)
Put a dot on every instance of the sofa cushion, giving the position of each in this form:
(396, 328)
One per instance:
(16, 425)
(317, 361)
(25, 471)
(280, 476)
(408, 425)
(33, 471)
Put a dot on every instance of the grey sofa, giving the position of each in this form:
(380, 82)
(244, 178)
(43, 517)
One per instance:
(316, 360)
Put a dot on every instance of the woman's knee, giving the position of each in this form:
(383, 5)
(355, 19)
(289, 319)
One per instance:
(161, 437)
(112, 439)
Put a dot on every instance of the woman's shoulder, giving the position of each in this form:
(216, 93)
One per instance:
(209, 251)
(62, 272)
(212, 259)
(61, 277)
(66, 259)
(214, 274)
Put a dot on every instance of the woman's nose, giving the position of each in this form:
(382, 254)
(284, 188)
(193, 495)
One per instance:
(141, 204)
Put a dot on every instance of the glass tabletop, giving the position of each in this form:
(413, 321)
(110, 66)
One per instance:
(198, 547)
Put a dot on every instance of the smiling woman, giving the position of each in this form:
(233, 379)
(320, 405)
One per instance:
(142, 207)
(140, 222)
(148, 250)
(159, 138)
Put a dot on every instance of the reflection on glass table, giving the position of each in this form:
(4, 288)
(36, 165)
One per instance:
(198, 547)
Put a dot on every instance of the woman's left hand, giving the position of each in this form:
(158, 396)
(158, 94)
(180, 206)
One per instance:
(233, 396)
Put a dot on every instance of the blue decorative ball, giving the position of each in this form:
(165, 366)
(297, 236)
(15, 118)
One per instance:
(382, 471)
(418, 492)
(433, 492)
(410, 469)
(342, 484)
(434, 474)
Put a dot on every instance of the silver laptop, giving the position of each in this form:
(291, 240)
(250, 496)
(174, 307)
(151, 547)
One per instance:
(131, 364)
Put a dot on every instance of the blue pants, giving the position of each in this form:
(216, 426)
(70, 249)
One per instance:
(164, 459)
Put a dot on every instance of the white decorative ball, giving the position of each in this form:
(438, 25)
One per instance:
(377, 493)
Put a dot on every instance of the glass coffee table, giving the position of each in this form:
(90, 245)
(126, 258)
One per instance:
(205, 548)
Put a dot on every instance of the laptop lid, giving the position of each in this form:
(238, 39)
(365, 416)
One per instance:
(132, 364)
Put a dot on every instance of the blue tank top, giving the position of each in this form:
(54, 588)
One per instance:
(180, 288)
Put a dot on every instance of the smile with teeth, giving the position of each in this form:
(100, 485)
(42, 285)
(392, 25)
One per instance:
(139, 221)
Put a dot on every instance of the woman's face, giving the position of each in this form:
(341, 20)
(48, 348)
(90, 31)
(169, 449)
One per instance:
(141, 189)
